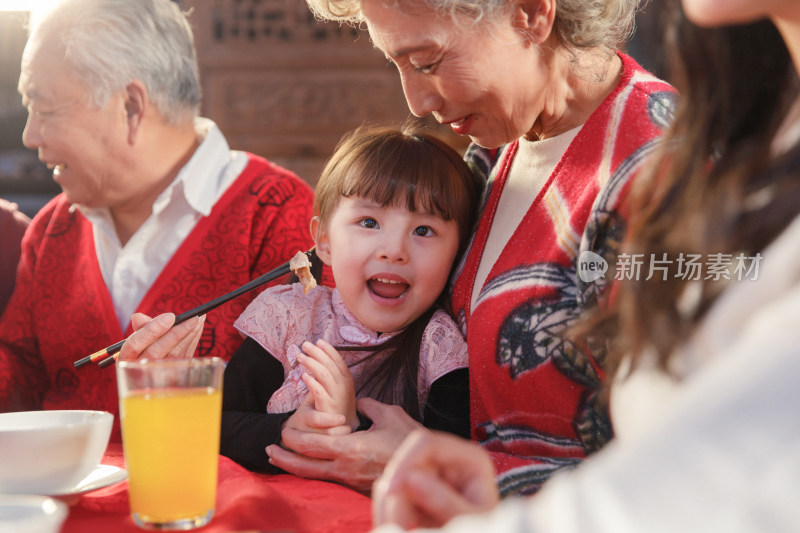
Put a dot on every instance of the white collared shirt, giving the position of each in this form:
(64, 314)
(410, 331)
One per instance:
(130, 270)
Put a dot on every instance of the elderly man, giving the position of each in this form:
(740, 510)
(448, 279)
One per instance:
(157, 214)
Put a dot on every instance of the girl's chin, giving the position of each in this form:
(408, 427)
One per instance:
(384, 326)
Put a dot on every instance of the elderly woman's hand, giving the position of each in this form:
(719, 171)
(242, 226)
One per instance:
(156, 338)
(355, 460)
(432, 478)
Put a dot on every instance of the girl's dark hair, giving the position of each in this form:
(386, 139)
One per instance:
(716, 187)
(400, 167)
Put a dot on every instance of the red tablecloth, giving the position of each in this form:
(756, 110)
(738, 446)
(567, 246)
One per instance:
(246, 501)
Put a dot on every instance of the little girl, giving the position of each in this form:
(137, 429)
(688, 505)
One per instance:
(394, 210)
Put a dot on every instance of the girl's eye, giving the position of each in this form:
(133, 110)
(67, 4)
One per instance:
(423, 231)
(370, 223)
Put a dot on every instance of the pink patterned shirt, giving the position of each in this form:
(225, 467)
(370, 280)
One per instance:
(281, 318)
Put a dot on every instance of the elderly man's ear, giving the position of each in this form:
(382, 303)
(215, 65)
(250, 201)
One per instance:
(136, 105)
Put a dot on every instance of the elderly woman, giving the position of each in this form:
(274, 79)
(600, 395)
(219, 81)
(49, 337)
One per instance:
(560, 123)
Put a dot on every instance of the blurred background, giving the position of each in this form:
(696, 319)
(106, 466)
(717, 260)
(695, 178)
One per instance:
(277, 82)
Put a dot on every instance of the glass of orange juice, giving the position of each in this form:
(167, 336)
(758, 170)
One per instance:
(170, 412)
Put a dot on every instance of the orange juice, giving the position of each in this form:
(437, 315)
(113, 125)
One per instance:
(171, 443)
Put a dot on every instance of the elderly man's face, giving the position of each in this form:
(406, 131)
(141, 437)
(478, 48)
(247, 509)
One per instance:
(82, 144)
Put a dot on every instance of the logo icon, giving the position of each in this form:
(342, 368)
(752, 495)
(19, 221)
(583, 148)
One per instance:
(591, 267)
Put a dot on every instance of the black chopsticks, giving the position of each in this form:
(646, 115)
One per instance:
(108, 356)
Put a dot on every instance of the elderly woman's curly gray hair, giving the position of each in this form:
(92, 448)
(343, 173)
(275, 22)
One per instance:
(112, 42)
(579, 24)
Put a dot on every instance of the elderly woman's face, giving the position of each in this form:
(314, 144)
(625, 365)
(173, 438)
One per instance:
(486, 81)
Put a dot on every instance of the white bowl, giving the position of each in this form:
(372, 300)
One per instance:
(31, 514)
(49, 452)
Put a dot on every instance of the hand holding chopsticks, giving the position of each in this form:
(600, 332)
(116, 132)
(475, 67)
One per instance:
(107, 356)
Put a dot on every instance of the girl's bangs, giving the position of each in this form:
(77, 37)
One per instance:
(414, 183)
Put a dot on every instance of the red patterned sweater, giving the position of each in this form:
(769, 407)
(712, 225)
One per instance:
(61, 310)
(534, 402)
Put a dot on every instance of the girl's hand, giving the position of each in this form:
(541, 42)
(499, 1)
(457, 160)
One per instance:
(310, 420)
(329, 381)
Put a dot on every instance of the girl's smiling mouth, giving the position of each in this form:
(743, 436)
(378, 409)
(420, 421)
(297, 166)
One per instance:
(387, 288)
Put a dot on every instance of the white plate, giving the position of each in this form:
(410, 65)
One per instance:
(102, 476)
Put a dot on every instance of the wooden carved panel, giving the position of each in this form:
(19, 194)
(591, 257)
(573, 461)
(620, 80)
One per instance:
(271, 20)
(307, 101)
(285, 86)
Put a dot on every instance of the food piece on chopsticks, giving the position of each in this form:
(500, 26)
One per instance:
(301, 266)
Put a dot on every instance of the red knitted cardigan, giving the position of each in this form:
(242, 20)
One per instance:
(533, 395)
